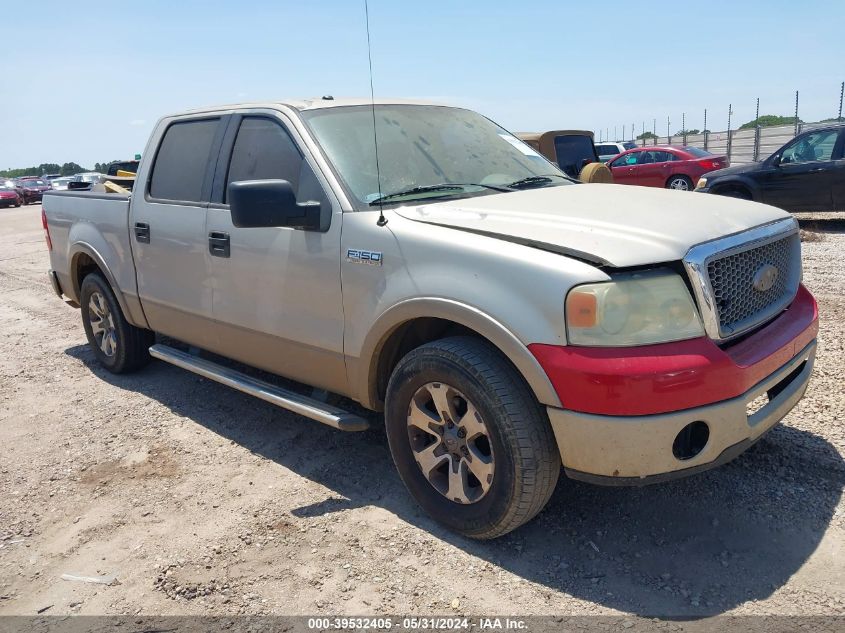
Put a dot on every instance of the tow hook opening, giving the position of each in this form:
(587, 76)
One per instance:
(691, 440)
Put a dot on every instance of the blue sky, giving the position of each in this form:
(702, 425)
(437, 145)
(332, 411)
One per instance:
(86, 84)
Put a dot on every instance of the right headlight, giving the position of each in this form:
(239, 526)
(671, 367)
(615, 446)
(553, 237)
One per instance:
(701, 184)
(636, 308)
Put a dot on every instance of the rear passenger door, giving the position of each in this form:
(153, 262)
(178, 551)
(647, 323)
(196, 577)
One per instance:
(653, 168)
(167, 229)
(276, 291)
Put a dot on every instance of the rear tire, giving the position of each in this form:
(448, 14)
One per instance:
(470, 441)
(679, 183)
(118, 345)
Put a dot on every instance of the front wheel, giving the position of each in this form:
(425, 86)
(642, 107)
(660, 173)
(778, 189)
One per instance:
(680, 183)
(118, 345)
(470, 441)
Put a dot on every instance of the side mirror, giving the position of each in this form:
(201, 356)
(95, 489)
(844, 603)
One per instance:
(270, 203)
(776, 160)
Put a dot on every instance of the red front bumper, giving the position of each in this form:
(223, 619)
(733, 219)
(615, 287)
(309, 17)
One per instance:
(668, 377)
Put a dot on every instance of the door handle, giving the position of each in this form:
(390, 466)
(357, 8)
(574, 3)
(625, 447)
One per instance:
(142, 232)
(218, 244)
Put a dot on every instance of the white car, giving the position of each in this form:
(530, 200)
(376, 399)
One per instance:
(607, 150)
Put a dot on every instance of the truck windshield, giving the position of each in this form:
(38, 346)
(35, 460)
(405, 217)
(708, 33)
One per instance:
(420, 149)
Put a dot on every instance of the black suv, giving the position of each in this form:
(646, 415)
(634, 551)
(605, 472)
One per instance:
(806, 174)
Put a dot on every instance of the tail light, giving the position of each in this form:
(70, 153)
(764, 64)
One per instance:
(708, 163)
(46, 229)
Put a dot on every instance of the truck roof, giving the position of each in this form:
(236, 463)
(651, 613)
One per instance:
(315, 103)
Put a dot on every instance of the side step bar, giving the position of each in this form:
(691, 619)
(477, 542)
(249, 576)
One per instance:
(337, 418)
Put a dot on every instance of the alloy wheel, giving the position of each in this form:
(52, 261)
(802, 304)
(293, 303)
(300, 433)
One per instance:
(450, 443)
(102, 324)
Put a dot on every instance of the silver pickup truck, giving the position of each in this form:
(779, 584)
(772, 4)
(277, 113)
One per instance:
(506, 319)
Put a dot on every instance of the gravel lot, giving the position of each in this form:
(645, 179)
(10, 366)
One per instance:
(197, 499)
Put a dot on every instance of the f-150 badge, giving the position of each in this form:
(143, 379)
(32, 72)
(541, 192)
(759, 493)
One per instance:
(356, 256)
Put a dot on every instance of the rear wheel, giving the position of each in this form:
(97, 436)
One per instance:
(118, 345)
(471, 443)
(681, 183)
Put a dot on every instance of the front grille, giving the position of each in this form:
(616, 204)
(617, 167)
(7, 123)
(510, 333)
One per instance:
(732, 280)
(742, 281)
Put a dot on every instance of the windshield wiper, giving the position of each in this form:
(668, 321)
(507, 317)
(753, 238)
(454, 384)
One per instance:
(445, 186)
(534, 180)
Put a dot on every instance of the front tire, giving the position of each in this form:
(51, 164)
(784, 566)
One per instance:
(470, 441)
(679, 183)
(118, 345)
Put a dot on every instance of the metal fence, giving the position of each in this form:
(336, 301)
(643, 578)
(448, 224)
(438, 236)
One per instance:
(740, 146)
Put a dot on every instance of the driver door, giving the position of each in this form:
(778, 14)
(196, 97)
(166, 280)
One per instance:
(804, 176)
(625, 168)
(276, 295)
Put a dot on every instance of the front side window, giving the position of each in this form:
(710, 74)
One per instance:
(182, 160)
(811, 148)
(423, 146)
(264, 151)
(627, 160)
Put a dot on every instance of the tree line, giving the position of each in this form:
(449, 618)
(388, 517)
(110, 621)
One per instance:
(65, 169)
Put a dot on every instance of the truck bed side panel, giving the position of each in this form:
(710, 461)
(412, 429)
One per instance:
(97, 225)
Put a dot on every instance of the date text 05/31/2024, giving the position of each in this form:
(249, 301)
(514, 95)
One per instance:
(416, 623)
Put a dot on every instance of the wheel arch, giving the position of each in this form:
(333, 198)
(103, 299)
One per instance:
(730, 184)
(417, 321)
(85, 259)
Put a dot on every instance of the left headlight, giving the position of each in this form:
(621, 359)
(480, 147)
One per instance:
(636, 308)
(701, 184)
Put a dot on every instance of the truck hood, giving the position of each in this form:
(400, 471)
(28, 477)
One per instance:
(611, 225)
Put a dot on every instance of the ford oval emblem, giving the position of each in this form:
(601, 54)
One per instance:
(765, 278)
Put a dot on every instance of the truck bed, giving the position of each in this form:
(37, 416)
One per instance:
(94, 223)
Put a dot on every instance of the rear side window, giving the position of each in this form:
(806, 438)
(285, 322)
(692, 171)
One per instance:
(605, 150)
(263, 151)
(573, 152)
(182, 161)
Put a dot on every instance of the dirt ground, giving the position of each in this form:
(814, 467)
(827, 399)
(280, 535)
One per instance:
(190, 498)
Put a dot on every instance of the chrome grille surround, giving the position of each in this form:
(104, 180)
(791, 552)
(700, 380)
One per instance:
(722, 275)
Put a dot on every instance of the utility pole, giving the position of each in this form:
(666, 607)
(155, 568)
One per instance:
(684, 126)
(841, 94)
(706, 133)
(668, 131)
(796, 113)
(730, 112)
(757, 132)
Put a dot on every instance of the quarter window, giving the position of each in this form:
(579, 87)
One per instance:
(182, 160)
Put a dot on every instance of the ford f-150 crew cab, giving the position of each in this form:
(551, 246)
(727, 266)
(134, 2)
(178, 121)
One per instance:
(505, 318)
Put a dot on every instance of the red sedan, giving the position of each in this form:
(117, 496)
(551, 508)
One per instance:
(670, 167)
